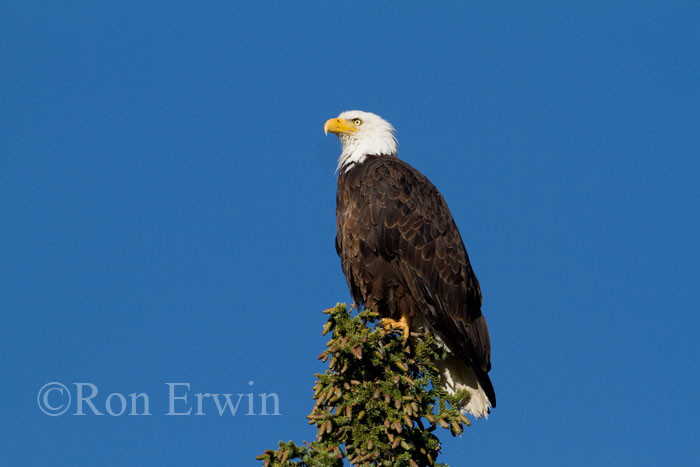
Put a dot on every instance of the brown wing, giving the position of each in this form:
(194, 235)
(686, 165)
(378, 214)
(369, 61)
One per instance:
(396, 237)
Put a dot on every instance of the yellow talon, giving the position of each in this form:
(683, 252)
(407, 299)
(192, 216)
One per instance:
(403, 325)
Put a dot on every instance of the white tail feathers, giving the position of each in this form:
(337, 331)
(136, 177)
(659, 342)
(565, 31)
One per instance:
(455, 376)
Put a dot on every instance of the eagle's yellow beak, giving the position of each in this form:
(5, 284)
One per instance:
(338, 125)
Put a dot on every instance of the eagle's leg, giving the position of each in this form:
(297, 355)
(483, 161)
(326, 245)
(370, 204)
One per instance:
(403, 325)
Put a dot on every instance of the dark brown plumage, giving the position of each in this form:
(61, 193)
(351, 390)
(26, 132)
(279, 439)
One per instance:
(402, 253)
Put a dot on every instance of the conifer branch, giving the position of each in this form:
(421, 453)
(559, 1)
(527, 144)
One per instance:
(378, 404)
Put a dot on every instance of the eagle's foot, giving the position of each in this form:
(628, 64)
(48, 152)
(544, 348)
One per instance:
(391, 325)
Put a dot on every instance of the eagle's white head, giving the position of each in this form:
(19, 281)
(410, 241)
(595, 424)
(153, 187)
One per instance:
(361, 134)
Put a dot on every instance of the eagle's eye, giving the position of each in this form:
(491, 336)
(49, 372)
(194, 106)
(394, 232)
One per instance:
(358, 122)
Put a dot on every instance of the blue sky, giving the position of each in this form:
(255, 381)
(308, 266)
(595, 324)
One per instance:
(167, 214)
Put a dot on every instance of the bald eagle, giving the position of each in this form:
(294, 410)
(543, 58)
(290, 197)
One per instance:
(403, 256)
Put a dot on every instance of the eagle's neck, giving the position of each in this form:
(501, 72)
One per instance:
(356, 150)
(348, 161)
